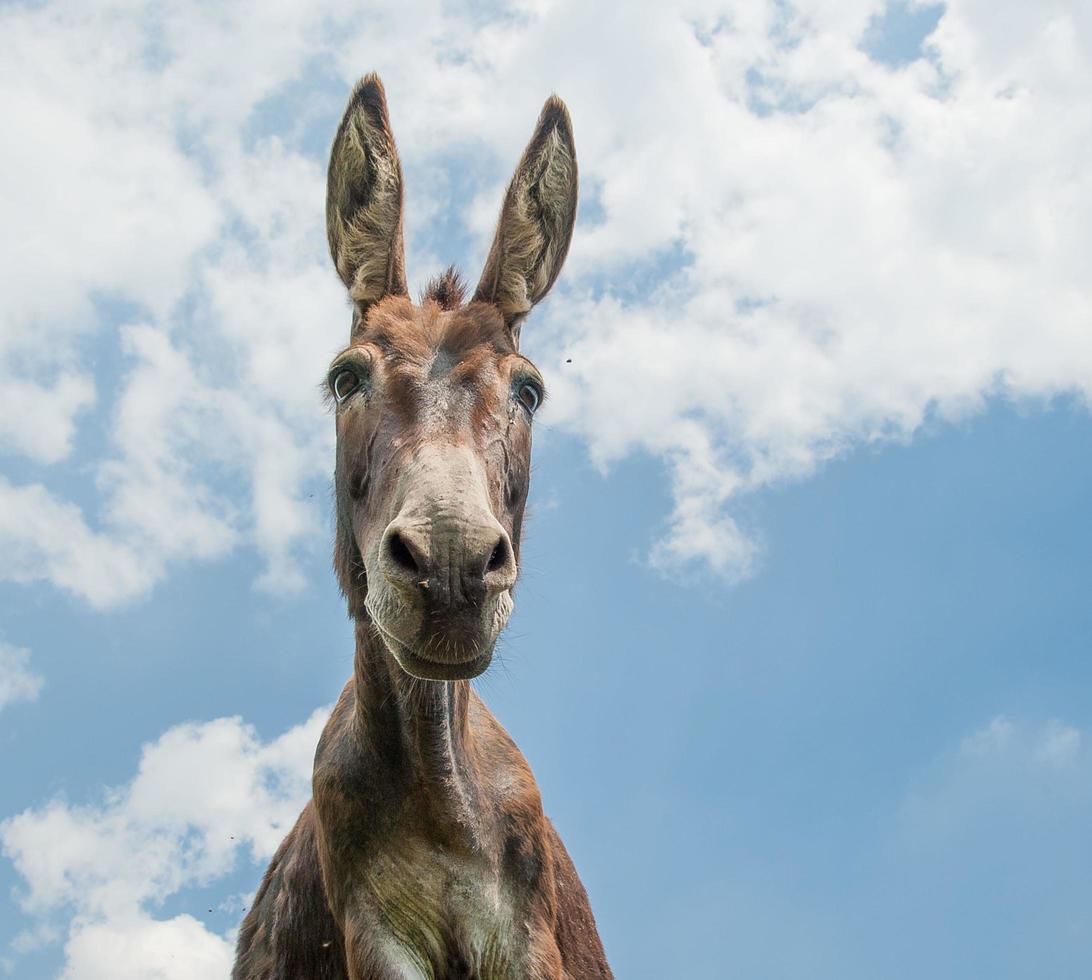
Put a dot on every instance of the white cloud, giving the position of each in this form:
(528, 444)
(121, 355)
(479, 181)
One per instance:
(990, 740)
(39, 420)
(790, 250)
(138, 947)
(1008, 777)
(47, 539)
(1059, 745)
(17, 681)
(134, 186)
(876, 246)
(202, 792)
(1054, 744)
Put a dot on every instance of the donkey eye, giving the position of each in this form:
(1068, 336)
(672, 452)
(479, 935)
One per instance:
(529, 396)
(343, 382)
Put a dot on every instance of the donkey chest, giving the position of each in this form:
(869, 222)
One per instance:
(433, 913)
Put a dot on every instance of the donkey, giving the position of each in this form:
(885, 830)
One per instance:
(424, 851)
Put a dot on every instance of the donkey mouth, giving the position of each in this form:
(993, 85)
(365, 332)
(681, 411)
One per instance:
(425, 668)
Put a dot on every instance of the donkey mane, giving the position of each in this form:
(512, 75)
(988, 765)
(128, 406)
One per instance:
(447, 290)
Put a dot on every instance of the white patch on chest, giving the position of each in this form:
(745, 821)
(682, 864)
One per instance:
(434, 905)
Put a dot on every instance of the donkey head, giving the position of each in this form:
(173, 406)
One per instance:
(434, 401)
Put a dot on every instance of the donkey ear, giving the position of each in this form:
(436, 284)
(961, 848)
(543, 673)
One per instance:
(536, 220)
(364, 199)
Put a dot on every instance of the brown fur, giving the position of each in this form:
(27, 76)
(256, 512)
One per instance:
(364, 199)
(536, 222)
(425, 851)
(447, 290)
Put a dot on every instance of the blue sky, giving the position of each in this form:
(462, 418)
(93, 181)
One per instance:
(800, 653)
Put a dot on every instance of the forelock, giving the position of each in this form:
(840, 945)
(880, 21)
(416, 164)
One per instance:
(446, 290)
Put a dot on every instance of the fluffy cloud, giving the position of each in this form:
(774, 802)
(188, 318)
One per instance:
(1007, 778)
(136, 193)
(202, 793)
(862, 247)
(1055, 744)
(47, 538)
(143, 948)
(788, 248)
(17, 681)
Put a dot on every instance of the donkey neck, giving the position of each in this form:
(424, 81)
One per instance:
(418, 730)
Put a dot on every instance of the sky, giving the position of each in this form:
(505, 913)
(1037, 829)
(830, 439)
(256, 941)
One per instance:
(801, 649)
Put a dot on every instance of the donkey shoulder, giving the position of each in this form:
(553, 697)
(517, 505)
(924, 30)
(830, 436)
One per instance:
(577, 936)
(289, 932)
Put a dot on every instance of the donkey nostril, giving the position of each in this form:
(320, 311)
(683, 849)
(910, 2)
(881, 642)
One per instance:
(499, 557)
(401, 555)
